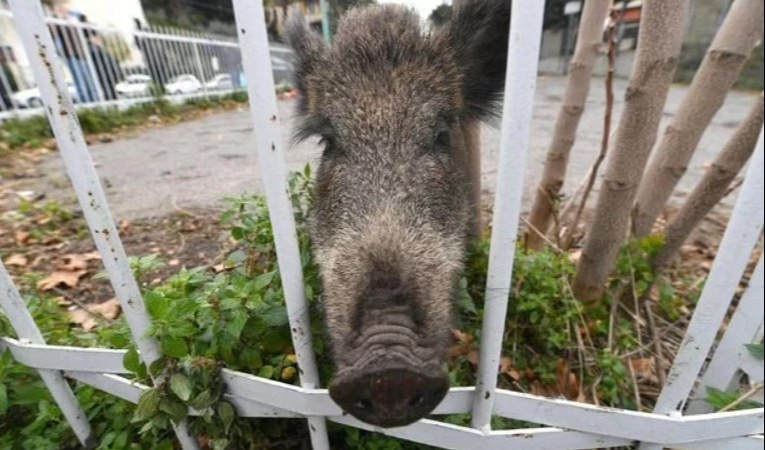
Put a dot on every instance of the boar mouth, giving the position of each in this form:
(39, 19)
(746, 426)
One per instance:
(391, 380)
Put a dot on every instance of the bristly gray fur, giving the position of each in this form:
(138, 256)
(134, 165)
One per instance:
(391, 209)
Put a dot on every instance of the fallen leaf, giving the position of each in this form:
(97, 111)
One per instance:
(173, 262)
(91, 256)
(61, 277)
(17, 260)
(22, 237)
(73, 262)
(472, 356)
(109, 309)
(82, 318)
(218, 268)
(566, 381)
(645, 368)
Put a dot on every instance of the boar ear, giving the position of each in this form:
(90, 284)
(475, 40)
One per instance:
(309, 51)
(477, 33)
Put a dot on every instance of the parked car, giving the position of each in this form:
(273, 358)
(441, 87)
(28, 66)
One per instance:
(31, 98)
(135, 85)
(183, 84)
(219, 82)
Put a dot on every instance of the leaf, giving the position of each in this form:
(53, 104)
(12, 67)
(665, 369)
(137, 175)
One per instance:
(82, 318)
(237, 323)
(275, 316)
(156, 304)
(202, 400)
(109, 309)
(148, 404)
(131, 361)
(4, 404)
(176, 410)
(261, 281)
(181, 386)
(174, 347)
(466, 304)
(227, 415)
(756, 350)
(61, 277)
(17, 260)
(73, 262)
(266, 372)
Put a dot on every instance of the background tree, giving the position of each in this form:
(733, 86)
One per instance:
(655, 60)
(713, 186)
(577, 89)
(740, 33)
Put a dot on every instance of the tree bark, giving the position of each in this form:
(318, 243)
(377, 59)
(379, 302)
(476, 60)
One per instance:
(661, 32)
(472, 135)
(577, 88)
(713, 186)
(740, 33)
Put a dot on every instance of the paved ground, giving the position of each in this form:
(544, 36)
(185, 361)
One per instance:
(196, 163)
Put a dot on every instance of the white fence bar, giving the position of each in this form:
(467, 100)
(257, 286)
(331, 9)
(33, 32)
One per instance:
(251, 26)
(59, 108)
(740, 237)
(16, 310)
(731, 354)
(263, 397)
(520, 83)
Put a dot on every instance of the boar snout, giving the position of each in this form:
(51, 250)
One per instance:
(389, 394)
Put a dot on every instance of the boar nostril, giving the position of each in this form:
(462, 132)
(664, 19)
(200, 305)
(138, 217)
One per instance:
(364, 404)
(417, 401)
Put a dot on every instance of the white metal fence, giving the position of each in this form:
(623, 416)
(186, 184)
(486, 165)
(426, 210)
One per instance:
(564, 424)
(109, 67)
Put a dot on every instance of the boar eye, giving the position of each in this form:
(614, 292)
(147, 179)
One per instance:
(441, 142)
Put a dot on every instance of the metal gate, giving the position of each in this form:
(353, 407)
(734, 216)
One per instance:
(567, 424)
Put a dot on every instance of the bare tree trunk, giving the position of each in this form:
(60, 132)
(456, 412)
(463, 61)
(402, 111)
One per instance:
(713, 186)
(577, 88)
(472, 134)
(740, 33)
(661, 32)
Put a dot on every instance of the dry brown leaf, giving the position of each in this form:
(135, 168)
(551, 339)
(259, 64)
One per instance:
(17, 260)
(472, 356)
(174, 262)
(109, 309)
(73, 262)
(22, 237)
(91, 256)
(644, 368)
(566, 381)
(218, 268)
(61, 277)
(82, 318)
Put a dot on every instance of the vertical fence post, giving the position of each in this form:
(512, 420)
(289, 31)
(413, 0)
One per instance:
(26, 329)
(201, 71)
(740, 237)
(93, 78)
(520, 83)
(253, 41)
(324, 7)
(66, 128)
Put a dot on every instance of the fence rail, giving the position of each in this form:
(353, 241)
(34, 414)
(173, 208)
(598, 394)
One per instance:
(563, 424)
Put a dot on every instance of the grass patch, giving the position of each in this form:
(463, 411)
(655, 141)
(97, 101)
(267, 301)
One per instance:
(34, 131)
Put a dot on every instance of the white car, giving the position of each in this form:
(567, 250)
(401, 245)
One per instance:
(136, 85)
(31, 98)
(183, 84)
(219, 82)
